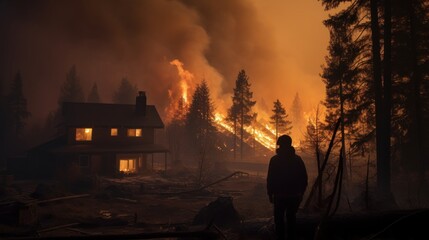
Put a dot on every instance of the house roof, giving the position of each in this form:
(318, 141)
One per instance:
(104, 114)
(52, 143)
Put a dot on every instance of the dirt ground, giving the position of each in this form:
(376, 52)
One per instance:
(151, 203)
(166, 203)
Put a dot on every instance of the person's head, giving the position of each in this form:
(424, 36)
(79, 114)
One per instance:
(284, 141)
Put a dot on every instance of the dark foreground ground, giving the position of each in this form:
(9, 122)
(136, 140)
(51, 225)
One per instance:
(156, 207)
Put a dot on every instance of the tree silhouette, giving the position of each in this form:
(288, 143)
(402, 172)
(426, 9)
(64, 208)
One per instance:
(176, 132)
(200, 126)
(17, 106)
(343, 75)
(314, 142)
(126, 92)
(297, 112)
(279, 119)
(71, 89)
(389, 65)
(241, 110)
(93, 96)
(233, 118)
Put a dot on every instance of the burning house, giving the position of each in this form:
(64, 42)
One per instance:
(100, 139)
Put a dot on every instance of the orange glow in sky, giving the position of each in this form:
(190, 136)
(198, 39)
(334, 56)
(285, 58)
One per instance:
(280, 44)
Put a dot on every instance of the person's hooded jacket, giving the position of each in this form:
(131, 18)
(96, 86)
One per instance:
(287, 175)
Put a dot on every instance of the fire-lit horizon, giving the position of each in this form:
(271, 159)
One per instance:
(157, 44)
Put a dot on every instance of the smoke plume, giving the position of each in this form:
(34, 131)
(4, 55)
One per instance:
(111, 39)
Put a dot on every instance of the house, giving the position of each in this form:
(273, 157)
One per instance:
(101, 139)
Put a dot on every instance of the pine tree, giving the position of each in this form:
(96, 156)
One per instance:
(410, 34)
(93, 96)
(3, 129)
(343, 76)
(393, 79)
(71, 89)
(242, 103)
(233, 118)
(200, 126)
(279, 119)
(17, 106)
(314, 142)
(176, 132)
(126, 92)
(297, 112)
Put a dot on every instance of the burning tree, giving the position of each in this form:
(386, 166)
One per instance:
(240, 113)
(279, 119)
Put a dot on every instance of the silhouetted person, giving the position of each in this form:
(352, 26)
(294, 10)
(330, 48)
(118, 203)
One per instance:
(286, 184)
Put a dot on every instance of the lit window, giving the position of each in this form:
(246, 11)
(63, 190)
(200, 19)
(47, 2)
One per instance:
(83, 134)
(134, 132)
(113, 132)
(127, 165)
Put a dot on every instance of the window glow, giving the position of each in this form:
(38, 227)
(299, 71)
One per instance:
(134, 132)
(127, 165)
(83, 134)
(113, 132)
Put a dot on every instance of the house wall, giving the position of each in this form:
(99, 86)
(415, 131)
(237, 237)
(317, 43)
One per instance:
(98, 164)
(102, 164)
(101, 135)
(141, 160)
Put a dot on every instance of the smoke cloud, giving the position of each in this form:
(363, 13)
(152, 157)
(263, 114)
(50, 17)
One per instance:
(111, 39)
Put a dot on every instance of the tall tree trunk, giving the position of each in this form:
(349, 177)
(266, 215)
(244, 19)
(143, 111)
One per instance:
(319, 165)
(235, 139)
(387, 91)
(382, 181)
(277, 129)
(343, 137)
(417, 128)
(241, 133)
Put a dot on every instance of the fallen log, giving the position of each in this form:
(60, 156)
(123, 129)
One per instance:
(127, 200)
(57, 227)
(83, 232)
(238, 173)
(41, 202)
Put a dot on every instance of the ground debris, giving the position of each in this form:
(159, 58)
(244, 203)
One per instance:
(115, 191)
(220, 212)
(47, 191)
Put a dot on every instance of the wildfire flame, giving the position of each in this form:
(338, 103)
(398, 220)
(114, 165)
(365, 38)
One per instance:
(221, 122)
(263, 134)
(186, 78)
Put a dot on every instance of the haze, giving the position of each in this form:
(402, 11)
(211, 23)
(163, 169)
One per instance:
(280, 44)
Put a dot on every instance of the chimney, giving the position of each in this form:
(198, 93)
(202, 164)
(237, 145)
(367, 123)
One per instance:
(141, 104)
